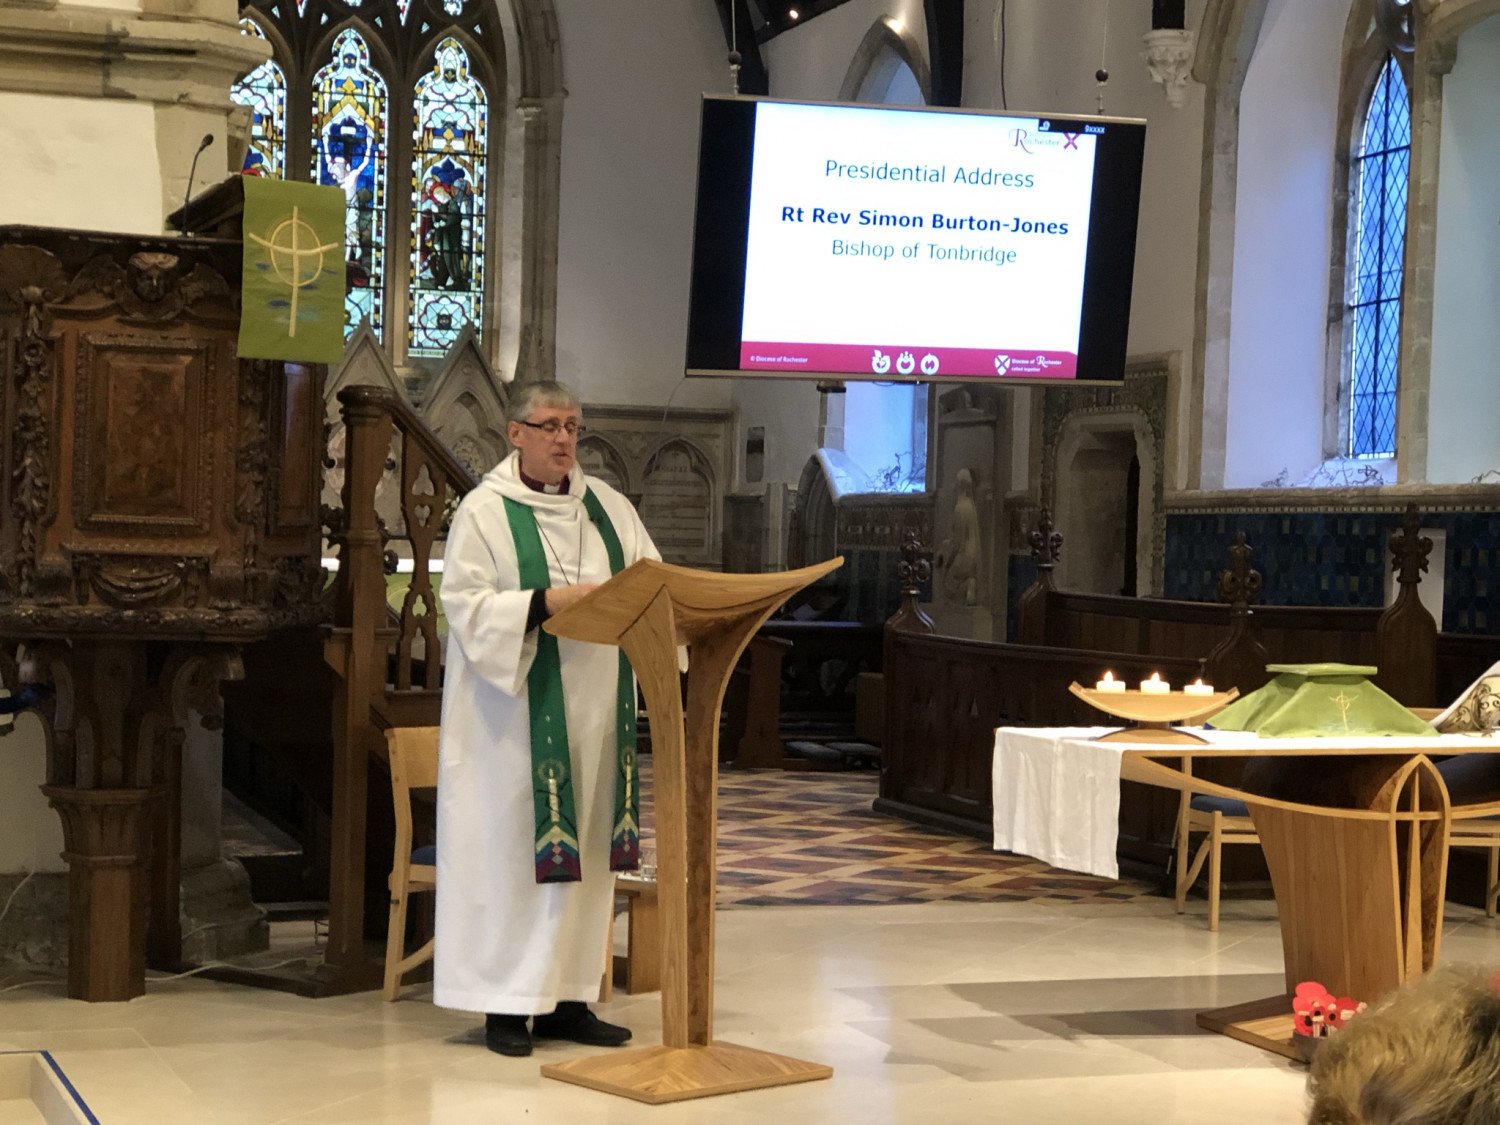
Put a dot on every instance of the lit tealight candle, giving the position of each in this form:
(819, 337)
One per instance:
(1155, 685)
(1109, 683)
(1198, 687)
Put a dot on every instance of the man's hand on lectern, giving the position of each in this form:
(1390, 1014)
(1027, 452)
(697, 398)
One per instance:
(560, 598)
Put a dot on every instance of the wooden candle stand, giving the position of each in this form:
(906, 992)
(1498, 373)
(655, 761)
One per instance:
(1154, 713)
(649, 609)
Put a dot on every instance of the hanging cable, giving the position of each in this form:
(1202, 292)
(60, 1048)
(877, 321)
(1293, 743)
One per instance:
(735, 58)
(1101, 76)
(997, 35)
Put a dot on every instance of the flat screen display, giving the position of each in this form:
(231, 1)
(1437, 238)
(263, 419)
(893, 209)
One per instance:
(847, 242)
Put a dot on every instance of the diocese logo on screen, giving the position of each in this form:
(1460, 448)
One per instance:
(292, 305)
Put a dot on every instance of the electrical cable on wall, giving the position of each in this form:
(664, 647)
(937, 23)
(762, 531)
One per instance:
(1101, 76)
(998, 36)
(735, 58)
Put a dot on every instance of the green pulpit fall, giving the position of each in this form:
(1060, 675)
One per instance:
(292, 306)
(1320, 701)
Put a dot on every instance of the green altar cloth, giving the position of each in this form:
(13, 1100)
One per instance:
(1320, 701)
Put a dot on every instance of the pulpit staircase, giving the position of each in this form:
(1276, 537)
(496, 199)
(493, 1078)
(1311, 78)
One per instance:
(305, 742)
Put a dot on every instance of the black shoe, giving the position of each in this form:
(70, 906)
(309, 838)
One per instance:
(573, 1021)
(507, 1035)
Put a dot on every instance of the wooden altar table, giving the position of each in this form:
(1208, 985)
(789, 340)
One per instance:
(1354, 830)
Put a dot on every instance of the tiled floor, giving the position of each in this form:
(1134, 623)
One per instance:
(943, 1012)
(789, 838)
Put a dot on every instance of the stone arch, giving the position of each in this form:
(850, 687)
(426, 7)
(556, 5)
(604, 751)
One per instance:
(814, 535)
(880, 53)
(1227, 41)
(599, 457)
(1092, 465)
(524, 344)
(679, 503)
(1364, 52)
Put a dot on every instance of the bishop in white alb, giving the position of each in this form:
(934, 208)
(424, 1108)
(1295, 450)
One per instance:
(506, 943)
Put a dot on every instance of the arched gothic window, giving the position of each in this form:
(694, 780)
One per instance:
(448, 176)
(1378, 177)
(350, 152)
(383, 86)
(264, 91)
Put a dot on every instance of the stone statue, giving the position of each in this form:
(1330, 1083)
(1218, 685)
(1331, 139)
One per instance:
(960, 556)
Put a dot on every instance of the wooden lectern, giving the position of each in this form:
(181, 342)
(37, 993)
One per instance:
(649, 609)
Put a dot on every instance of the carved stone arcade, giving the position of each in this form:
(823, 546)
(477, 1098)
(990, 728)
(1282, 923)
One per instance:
(160, 509)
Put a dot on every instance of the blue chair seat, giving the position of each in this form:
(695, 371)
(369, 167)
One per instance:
(1208, 803)
(1471, 779)
(427, 854)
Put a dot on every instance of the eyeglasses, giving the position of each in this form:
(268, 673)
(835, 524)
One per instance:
(552, 427)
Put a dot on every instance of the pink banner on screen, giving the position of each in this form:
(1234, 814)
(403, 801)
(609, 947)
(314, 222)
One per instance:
(896, 361)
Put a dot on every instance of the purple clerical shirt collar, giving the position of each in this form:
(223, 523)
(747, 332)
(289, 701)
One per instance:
(560, 489)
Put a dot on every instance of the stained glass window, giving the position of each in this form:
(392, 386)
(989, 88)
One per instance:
(1379, 170)
(349, 151)
(264, 91)
(448, 189)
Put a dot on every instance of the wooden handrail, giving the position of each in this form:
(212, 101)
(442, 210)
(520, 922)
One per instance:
(406, 419)
(360, 639)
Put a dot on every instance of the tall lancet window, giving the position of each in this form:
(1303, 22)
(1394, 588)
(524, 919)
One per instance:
(374, 89)
(264, 91)
(448, 191)
(349, 125)
(1378, 174)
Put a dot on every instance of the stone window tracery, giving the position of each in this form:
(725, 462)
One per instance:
(384, 85)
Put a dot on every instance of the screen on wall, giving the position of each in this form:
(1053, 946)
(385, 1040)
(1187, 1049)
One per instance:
(848, 242)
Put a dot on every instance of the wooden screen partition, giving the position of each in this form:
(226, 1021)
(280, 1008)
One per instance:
(649, 609)
(944, 699)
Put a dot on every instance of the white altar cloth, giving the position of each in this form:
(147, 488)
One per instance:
(1057, 793)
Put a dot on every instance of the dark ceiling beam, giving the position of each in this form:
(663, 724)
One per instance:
(753, 76)
(945, 49)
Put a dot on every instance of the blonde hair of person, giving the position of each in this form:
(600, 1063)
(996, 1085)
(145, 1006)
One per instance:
(1428, 1054)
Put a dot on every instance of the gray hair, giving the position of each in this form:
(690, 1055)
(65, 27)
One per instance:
(532, 396)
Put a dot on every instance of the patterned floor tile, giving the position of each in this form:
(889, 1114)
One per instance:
(793, 838)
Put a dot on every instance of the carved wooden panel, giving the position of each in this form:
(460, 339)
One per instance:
(146, 463)
(299, 450)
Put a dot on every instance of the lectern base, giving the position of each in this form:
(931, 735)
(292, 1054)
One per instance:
(1266, 1024)
(655, 1075)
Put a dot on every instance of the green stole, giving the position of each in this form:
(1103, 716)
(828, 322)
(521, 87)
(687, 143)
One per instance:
(556, 849)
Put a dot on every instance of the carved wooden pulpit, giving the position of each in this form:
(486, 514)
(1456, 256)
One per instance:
(161, 509)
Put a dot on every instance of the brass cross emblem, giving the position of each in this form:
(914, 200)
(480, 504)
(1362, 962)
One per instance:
(1343, 702)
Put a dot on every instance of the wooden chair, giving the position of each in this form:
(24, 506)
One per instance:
(1472, 779)
(414, 765)
(1224, 821)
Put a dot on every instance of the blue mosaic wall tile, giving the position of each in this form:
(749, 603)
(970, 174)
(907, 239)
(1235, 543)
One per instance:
(1470, 564)
(1335, 559)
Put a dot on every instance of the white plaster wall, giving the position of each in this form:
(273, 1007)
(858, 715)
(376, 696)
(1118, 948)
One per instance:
(79, 162)
(1053, 48)
(31, 837)
(1283, 217)
(810, 63)
(629, 175)
(1464, 400)
(112, 5)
